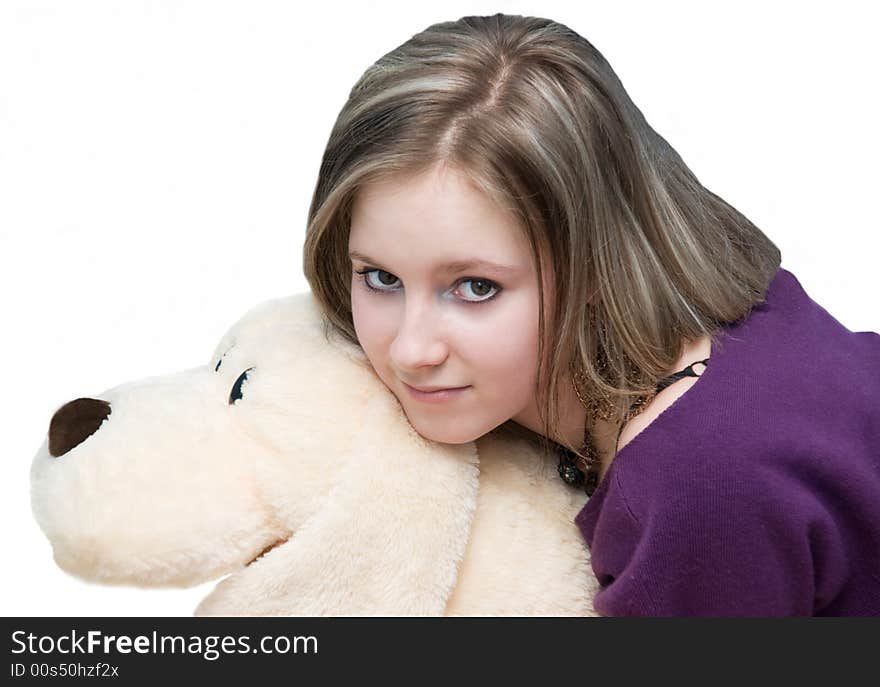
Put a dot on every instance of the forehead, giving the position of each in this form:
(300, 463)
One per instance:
(440, 212)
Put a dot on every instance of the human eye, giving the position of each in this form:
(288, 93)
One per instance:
(484, 289)
(365, 274)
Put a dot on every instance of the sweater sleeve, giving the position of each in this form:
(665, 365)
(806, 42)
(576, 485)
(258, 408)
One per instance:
(755, 543)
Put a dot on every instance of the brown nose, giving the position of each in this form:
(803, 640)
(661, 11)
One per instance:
(75, 422)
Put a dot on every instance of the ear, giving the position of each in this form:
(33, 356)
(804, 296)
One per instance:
(388, 542)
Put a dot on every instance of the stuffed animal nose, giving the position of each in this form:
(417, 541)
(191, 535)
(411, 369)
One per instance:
(74, 422)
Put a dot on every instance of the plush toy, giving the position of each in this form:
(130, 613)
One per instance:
(286, 465)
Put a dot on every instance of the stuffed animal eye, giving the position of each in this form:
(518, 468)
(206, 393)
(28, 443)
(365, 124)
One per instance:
(235, 394)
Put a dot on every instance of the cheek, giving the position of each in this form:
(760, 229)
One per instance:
(364, 320)
(508, 349)
(372, 323)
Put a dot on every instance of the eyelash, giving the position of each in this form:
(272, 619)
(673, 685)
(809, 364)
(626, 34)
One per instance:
(364, 272)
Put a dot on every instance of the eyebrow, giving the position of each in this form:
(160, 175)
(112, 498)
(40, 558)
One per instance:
(452, 267)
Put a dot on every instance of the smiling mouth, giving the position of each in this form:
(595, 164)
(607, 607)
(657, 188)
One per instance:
(265, 551)
(434, 391)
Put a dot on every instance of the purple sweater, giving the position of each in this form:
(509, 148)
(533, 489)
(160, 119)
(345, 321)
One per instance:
(757, 492)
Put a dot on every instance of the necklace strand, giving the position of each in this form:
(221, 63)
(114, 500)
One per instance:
(569, 468)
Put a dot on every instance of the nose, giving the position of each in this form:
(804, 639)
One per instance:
(74, 422)
(417, 343)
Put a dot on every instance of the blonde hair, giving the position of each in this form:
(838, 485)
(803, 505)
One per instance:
(643, 257)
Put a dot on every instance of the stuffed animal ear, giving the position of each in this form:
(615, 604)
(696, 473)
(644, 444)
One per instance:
(388, 541)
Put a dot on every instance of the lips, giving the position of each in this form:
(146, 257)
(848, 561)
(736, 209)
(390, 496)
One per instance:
(438, 396)
(431, 389)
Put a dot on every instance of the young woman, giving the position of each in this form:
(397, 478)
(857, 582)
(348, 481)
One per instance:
(511, 243)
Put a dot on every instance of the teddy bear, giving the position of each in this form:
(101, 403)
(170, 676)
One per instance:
(287, 468)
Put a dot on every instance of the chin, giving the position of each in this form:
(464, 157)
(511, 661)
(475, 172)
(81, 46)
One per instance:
(446, 435)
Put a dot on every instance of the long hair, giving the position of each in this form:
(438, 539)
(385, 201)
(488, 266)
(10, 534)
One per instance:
(643, 256)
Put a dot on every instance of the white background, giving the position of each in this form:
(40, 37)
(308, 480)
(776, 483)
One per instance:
(157, 160)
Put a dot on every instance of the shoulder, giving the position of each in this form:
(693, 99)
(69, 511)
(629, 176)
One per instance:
(793, 509)
(716, 489)
(718, 541)
(786, 481)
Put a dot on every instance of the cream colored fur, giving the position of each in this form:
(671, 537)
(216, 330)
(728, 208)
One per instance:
(178, 487)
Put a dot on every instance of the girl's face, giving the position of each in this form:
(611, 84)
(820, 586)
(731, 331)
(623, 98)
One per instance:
(444, 294)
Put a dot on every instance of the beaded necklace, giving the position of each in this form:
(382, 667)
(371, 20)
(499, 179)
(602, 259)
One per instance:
(568, 460)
